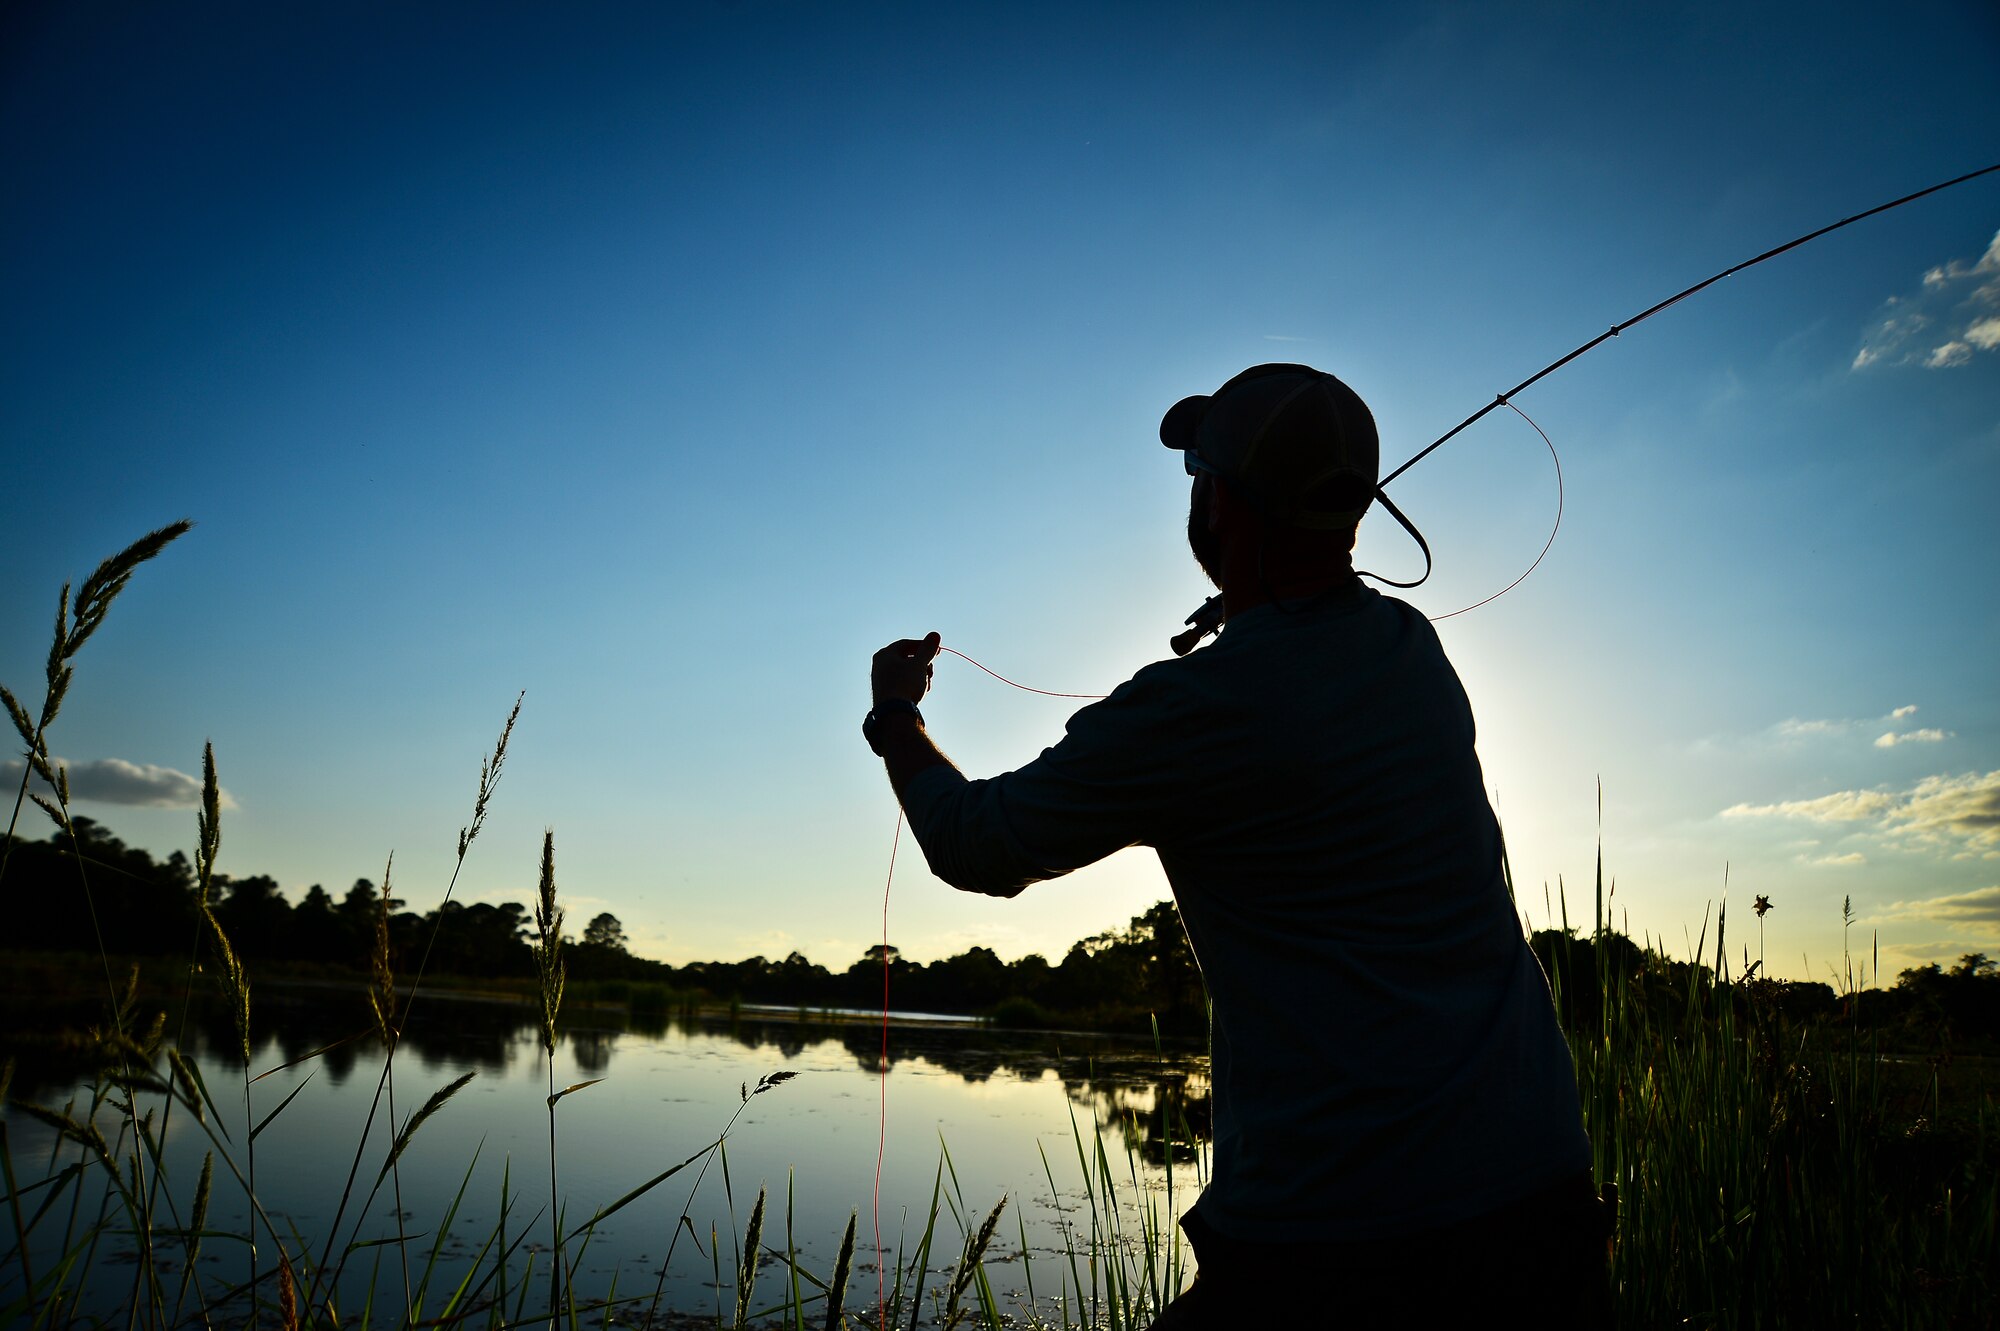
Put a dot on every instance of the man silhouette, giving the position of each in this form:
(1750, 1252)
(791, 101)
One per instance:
(1397, 1132)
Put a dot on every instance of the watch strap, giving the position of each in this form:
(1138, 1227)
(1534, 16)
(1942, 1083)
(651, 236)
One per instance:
(871, 725)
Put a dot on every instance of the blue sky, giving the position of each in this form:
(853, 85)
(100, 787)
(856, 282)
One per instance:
(663, 362)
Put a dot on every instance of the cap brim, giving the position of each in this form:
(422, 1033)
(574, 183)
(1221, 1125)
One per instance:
(1182, 422)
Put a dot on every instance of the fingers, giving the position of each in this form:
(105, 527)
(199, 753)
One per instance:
(923, 649)
(903, 668)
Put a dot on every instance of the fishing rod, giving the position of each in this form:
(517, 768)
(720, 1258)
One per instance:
(1211, 614)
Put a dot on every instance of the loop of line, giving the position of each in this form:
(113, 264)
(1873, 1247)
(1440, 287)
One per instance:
(1554, 457)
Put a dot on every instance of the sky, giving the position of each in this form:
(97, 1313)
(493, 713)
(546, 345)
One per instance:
(663, 362)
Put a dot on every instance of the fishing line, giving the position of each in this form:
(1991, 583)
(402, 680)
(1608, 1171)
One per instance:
(1557, 459)
(882, 1067)
(1046, 693)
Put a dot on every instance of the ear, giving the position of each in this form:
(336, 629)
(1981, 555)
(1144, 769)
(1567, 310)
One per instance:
(1219, 501)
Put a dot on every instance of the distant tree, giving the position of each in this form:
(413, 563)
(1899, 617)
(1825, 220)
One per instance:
(142, 908)
(256, 917)
(797, 980)
(1029, 977)
(605, 931)
(1172, 979)
(481, 939)
(861, 985)
(316, 931)
(973, 980)
(1966, 998)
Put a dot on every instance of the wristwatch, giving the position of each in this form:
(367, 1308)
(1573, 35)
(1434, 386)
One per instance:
(871, 725)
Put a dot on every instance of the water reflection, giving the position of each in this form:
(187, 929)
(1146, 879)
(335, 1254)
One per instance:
(1157, 1099)
(1006, 1102)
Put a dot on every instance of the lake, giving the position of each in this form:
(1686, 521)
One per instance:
(1002, 1113)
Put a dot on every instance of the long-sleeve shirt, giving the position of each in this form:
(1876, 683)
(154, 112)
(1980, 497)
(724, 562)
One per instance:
(1386, 1057)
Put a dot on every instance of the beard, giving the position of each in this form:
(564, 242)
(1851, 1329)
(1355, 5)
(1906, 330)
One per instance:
(1205, 544)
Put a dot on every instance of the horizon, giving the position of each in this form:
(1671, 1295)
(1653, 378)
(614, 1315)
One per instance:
(665, 364)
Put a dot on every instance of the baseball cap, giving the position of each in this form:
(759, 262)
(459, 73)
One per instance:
(1300, 443)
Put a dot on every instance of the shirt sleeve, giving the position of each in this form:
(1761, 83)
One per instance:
(1114, 780)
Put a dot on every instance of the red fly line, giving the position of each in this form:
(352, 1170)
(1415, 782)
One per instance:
(882, 1074)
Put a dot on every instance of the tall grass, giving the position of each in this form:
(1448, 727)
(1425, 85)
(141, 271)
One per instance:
(1764, 1172)
(1767, 1172)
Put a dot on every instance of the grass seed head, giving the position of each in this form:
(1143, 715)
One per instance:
(382, 976)
(199, 1219)
(549, 966)
(746, 1275)
(489, 777)
(23, 723)
(288, 1299)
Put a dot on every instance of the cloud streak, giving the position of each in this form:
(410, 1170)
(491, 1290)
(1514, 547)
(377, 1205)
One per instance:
(116, 781)
(1795, 731)
(1975, 910)
(1946, 321)
(1960, 814)
(1926, 736)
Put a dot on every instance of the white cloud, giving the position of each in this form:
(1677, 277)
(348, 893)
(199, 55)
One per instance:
(1924, 736)
(1848, 861)
(1940, 325)
(1908, 709)
(115, 781)
(1948, 808)
(1960, 814)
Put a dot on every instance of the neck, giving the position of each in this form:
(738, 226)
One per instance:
(1251, 578)
(1239, 598)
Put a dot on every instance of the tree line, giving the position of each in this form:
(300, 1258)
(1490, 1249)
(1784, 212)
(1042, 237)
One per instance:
(147, 908)
(1120, 979)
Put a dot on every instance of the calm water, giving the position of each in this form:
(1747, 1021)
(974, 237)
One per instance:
(996, 1102)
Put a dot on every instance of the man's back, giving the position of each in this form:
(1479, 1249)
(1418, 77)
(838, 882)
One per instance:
(1386, 1057)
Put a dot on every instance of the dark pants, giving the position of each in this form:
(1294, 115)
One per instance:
(1540, 1262)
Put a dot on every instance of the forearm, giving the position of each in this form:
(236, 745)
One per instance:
(907, 750)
